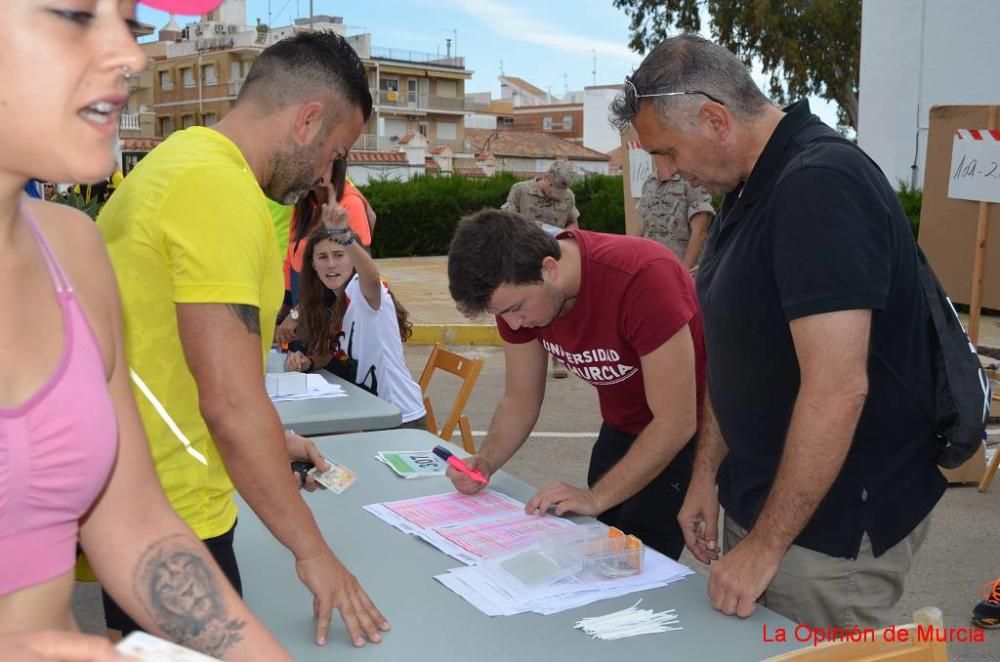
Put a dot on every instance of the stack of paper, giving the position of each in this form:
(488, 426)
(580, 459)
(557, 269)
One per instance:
(495, 595)
(413, 464)
(492, 526)
(284, 386)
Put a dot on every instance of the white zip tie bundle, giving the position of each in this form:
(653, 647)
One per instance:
(628, 623)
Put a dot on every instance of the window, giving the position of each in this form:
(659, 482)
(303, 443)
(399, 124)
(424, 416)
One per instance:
(505, 122)
(208, 76)
(567, 122)
(166, 82)
(546, 124)
(187, 121)
(411, 91)
(234, 71)
(447, 130)
(187, 76)
(389, 90)
(208, 119)
(424, 129)
(166, 126)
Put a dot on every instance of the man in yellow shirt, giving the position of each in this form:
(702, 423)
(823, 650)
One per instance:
(197, 260)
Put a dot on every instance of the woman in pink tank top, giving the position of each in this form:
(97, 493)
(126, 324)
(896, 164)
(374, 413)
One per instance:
(74, 462)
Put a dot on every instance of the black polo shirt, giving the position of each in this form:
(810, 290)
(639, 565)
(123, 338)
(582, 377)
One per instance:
(817, 229)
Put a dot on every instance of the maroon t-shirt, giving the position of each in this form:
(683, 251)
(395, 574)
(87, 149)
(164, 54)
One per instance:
(634, 296)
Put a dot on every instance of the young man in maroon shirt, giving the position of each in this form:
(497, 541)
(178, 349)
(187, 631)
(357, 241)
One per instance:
(620, 313)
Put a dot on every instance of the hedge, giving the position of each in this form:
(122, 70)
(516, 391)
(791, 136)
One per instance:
(418, 217)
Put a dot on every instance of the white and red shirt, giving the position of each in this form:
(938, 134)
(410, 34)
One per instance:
(634, 296)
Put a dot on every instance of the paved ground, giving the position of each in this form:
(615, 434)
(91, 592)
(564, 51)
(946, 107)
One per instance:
(962, 550)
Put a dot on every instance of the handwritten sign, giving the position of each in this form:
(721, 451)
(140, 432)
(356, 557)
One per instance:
(975, 165)
(640, 167)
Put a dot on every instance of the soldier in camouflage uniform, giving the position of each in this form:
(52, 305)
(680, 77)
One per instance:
(675, 214)
(546, 199)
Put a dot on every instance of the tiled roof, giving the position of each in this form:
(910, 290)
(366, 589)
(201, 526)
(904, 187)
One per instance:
(376, 157)
(528, 144)
(440, 149)
(139, 144)
(430, 165)
(524, 85)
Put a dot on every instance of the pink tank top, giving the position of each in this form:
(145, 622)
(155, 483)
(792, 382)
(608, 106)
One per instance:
(56, 451)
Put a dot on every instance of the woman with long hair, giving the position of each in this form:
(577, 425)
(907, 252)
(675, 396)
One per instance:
(75, 465)
(349, 321)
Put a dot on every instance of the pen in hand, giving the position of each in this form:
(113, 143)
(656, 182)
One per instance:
(458, 464)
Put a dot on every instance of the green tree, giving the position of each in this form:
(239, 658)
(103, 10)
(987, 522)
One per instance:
(804, 46)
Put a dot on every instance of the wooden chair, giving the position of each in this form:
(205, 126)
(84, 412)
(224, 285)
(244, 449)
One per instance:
(466, 369)
(878, 650)
(984, 484)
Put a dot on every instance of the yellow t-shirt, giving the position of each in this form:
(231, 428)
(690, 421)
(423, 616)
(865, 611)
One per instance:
(281, 216)
(189, 224)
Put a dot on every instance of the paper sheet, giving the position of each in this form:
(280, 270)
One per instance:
(285, 386)
(453, 507)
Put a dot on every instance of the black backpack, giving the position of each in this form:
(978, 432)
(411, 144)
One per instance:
(962, 390)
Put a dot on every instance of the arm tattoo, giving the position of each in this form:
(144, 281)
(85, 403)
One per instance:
(174, 581)
(249, 315)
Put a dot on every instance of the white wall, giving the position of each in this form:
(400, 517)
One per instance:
(916, 54)
(598, 134)
(361, 174)
(476, 121)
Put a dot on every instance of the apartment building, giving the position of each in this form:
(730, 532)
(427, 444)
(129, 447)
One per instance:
(196, 73)
(413, 92)
(562, 120)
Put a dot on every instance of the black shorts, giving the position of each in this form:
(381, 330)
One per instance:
(221, 549)
(651, 514)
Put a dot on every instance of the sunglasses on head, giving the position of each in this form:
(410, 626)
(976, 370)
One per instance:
(632, 94)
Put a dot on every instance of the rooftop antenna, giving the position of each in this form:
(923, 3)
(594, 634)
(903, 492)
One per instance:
(594, 72)
(565, 85)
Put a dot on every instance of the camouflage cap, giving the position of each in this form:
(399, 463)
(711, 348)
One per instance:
(560, 174)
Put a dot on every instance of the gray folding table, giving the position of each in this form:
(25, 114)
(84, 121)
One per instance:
(360, 410)
(429, 622)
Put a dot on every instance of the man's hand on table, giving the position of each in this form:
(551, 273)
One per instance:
(334, 587)
(742, 575)
(564, 498)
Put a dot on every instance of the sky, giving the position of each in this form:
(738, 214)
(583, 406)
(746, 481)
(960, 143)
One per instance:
(553, 45)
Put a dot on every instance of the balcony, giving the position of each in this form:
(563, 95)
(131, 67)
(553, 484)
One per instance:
(128, 121)
(402, 55)
(371, 143)
(418, 101)
(234, 86)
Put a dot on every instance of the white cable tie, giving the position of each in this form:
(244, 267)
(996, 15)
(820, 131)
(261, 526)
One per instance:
(628, 622)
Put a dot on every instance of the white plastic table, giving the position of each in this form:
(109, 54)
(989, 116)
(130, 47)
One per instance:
(432, 624)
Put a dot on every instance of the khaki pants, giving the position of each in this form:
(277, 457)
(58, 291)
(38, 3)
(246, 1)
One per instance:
(827, 591)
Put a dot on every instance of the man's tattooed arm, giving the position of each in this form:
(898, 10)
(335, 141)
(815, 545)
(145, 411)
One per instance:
(182, 590)
(249, 315)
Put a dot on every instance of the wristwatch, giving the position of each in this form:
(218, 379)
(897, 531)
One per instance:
(294, 313)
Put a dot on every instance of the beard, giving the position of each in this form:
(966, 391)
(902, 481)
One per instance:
(292, 174)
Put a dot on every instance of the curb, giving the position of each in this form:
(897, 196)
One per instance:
(455, 334)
